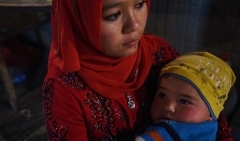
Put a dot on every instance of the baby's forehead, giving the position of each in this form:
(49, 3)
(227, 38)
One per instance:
(173, 83)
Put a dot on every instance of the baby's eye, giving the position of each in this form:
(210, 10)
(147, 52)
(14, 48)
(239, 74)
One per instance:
(183, 101)
(140, 4)
(162, 95)
(113, 17)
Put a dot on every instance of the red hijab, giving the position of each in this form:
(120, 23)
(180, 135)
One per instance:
(76, 46)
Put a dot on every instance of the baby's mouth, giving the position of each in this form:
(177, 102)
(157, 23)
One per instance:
(164, 118)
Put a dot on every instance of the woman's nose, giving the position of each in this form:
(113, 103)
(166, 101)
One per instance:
(130, 23)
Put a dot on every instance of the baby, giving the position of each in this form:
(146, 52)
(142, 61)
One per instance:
(191, 92)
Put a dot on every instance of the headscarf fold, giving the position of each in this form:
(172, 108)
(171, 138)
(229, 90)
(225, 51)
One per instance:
(76, 47)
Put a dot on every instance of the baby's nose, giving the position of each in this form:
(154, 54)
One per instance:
(170, 106)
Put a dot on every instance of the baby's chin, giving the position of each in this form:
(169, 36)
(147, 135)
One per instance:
(176, 120)
(161, 119)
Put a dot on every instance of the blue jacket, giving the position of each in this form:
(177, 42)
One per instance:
(168, 130)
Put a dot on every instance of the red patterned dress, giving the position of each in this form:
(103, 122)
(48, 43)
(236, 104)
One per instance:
(75, 112)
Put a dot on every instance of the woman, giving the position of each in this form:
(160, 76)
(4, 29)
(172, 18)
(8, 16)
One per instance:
(101, 69)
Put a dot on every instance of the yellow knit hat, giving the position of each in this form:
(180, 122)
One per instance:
(210, 76)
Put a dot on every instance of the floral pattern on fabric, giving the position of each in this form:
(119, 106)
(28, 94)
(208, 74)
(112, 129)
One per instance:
(58, 132)
(103, 115)
(161, 57)
(72, 79)
(224, 131)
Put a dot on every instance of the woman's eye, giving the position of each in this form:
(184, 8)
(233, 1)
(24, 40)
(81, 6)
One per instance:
(112, 17)
(183, 101)
(162, 95)
(140, 4)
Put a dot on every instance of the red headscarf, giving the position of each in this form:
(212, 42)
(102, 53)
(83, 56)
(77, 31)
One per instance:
(76, 46)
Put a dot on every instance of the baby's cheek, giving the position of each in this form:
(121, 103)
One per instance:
(156, 109)
(188, 114)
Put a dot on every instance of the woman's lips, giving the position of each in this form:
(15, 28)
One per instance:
(132, 43)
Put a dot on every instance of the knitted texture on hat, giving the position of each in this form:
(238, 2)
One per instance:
(204, 131)
(210, 76)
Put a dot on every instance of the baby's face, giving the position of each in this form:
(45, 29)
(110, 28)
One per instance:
(178, 100)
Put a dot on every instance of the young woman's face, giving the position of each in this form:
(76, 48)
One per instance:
(123, 23)
(178, 100)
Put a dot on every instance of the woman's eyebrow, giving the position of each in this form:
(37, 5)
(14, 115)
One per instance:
(111, 5)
